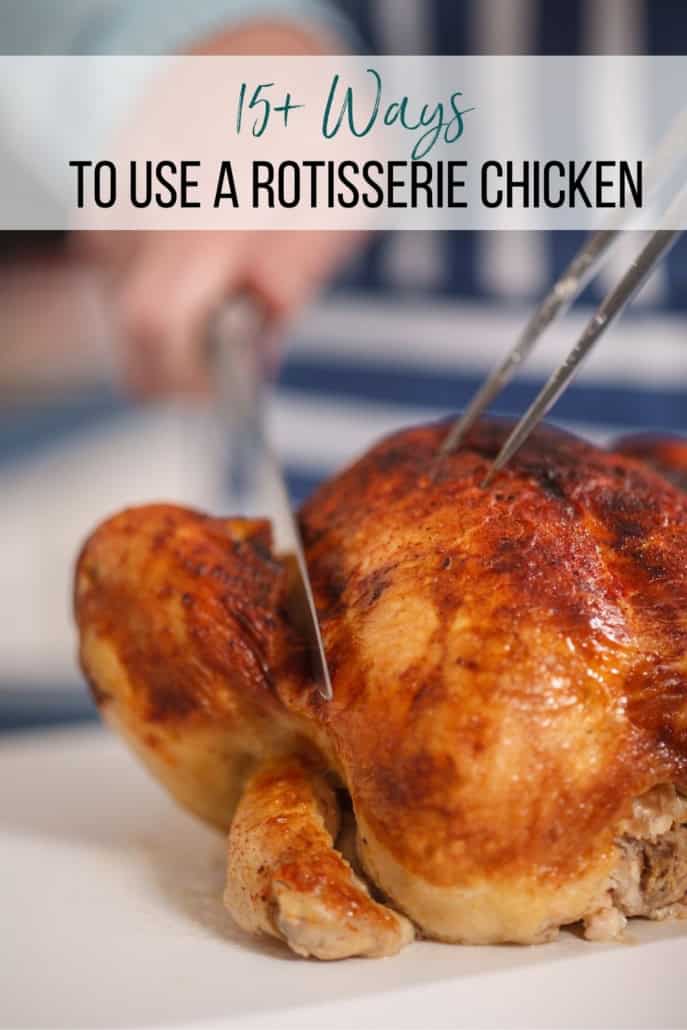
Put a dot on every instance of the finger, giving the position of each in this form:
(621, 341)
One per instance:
(111, 255)
(290, 267)
(110, 252)
(136, 367)
(176, 283)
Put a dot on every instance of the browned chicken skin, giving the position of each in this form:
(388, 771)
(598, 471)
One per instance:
(666, 454)
(510, 687)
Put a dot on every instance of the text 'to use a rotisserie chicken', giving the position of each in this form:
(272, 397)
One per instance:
(509, 718)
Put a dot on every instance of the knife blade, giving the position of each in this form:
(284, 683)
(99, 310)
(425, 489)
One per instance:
(239, 397)
(254, 472)
(288, 543)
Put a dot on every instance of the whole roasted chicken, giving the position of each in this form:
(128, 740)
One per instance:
(506, 749)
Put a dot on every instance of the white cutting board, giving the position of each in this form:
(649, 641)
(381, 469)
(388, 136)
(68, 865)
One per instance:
(110, 916)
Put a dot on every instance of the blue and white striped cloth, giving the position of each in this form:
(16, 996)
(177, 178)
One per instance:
(407, 335)
(358, 367)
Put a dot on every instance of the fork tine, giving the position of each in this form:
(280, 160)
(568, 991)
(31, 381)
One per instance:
(669, 153)
(557, 301)
(641, 268)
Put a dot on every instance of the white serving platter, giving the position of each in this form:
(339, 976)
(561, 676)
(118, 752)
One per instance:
(110, 916)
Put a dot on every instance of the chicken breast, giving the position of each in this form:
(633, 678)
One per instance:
(510, 686)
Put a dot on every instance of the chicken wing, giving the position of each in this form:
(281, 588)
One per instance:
(182, 634)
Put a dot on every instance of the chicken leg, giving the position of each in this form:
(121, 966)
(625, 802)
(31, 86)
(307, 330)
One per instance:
(284, 877)
(182, 636)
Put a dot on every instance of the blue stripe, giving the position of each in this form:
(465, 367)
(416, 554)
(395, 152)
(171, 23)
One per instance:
(23, 430)
(23, 708)
(302, 482)
(359, 12)
(366, 273)
(558, 28)
(665, 27)
(559, 31)
(451, 24)
(460, 264)
(676, 276)
(446, 390)
(458, 270)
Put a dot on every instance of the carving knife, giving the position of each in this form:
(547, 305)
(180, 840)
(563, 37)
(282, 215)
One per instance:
(253, 470)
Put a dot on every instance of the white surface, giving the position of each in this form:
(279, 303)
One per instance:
(110, 916)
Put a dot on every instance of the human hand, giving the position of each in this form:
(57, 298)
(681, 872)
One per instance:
(166, 285)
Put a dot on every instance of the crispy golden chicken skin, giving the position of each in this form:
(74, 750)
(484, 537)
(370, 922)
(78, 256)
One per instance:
(510, 691)
(666, 454)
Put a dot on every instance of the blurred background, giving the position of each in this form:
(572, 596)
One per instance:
(405, 333)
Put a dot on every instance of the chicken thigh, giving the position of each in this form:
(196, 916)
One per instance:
(509, 721)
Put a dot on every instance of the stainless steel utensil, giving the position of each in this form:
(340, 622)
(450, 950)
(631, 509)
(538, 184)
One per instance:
(669, 154)
(234, 345)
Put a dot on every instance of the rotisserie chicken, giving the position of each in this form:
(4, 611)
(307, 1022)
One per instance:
(506, 750)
